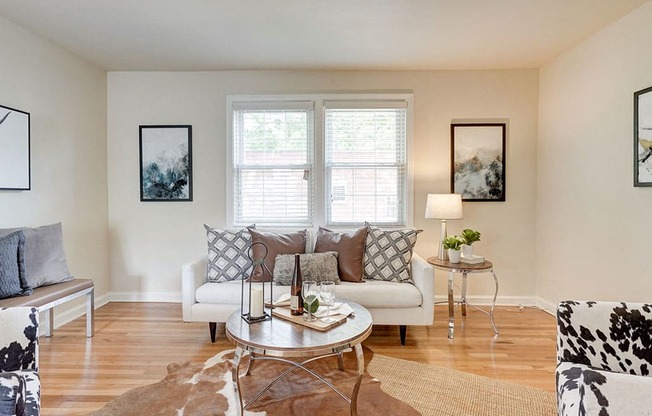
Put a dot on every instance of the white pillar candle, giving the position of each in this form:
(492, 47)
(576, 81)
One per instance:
(256, 307)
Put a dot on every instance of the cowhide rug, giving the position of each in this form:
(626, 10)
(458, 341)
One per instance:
(207, 390)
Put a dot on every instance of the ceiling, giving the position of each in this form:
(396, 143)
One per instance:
(124, 35)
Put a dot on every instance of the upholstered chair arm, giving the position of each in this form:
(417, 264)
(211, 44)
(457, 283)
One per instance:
(423, 276)
(18, 339)
(612, 336)
(193, 275)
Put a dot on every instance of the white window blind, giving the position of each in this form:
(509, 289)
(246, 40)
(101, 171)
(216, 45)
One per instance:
(365, 162)
(273, 148)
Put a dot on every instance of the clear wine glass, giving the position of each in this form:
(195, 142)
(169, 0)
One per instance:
(309, 291)
(327, 295)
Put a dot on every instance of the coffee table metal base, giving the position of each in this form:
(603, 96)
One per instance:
(256, 354)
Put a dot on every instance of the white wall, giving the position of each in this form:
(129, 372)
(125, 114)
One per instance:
(67, 101)
(592, 224)
(150, 241)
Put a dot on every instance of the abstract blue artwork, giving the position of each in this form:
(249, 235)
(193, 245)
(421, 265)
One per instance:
(166, 163)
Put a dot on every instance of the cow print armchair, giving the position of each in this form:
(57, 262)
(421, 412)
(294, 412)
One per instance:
(604, 358)
(20, 387)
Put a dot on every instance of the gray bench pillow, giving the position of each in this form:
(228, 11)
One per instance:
(45, 258)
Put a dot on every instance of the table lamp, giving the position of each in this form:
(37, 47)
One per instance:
(444, 207)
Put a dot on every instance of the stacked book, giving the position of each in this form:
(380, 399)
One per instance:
(472, 260)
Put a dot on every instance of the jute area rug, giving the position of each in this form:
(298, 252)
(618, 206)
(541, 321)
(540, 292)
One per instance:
(392, 387)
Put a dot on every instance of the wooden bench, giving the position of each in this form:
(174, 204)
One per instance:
(45, 298)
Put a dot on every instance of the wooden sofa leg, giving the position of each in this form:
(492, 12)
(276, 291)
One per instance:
(403, 330)
(212, 326)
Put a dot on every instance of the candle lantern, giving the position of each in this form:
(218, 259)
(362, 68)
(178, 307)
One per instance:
(254, 310)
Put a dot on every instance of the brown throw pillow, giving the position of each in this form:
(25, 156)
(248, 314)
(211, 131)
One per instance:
(350, 249)
(292, 243)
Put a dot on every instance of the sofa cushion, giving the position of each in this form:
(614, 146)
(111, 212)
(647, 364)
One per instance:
(292, 243)
(45, 258)
(228, 254)
(388, 254)
(318, 267)
(12, 266)
(350, 247)
(371, 294)
(599, 392)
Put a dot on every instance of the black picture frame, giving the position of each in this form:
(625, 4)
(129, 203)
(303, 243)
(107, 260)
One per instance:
(15, 152)
(643, 137)
(478, 161)
(165, 163)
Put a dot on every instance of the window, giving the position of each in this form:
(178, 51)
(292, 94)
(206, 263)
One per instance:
(272, 161)
(366, 156)
(319, 159)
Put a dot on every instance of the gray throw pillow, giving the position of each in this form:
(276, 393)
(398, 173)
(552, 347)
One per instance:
(228, 257)
(45, 258)
(12, 266)
(320, 267)
(388, 254)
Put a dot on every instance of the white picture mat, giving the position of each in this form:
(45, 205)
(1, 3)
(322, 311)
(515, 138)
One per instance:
(14, 150)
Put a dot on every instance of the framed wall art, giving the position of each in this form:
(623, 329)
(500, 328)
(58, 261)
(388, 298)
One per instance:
(643, 137)
(14, 149)
(165, 163)
(478, 161)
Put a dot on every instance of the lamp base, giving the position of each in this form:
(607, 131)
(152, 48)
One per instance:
(442, 254)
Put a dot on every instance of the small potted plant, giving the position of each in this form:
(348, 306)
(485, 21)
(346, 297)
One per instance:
(469, 236)
(453, 244)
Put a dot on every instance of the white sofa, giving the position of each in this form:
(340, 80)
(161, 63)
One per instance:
(389, 303)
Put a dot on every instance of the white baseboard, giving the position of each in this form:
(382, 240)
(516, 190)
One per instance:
(168, 297)
(501, 300)
(547, 306)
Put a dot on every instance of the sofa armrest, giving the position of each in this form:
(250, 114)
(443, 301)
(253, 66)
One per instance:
(193, 275)
(423, 276)
(612, 336)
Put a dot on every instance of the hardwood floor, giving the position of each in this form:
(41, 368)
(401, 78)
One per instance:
(134, 342)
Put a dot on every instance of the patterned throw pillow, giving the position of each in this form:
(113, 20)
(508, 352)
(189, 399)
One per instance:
(388, 254)
(12, 266)
(319, 267)
(228, 257)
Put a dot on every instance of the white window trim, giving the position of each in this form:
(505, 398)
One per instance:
(319, 150)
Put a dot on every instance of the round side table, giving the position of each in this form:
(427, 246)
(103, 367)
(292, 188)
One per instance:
(465, 269)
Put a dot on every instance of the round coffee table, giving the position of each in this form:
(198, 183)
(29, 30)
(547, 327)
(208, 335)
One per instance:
(280, 340)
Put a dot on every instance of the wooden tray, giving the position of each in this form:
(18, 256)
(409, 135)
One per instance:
(284, 313)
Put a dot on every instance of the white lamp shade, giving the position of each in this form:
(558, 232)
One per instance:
(444, 206)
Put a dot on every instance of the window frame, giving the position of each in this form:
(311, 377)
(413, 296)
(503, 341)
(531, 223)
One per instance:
(318, 172)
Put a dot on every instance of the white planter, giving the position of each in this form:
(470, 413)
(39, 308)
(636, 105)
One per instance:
(467, 251)
(454, 255)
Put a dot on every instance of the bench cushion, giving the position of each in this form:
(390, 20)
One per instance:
(370, 294)
(46, 294)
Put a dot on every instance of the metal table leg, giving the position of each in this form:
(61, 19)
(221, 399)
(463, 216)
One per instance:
(464, 278)
(340, 361)
(493, 302)
(236, 380)
(356, 389)
(451, 306)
